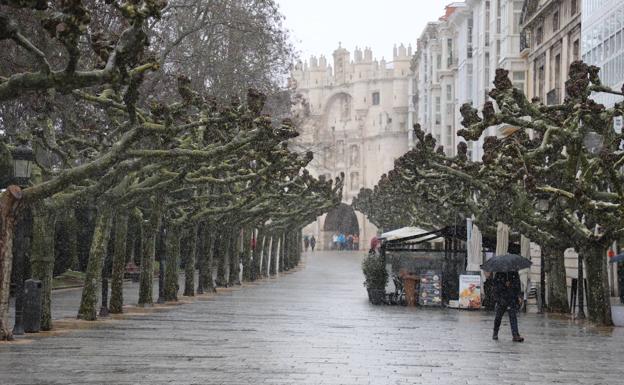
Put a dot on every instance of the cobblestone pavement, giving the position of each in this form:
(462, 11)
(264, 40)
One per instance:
(315, 326)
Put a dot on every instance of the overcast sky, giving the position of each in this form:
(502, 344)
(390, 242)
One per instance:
(316, 26)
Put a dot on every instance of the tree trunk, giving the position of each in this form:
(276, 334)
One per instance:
(72, 239)
(283, 248)
(221, 251)
(149, 234)
(291, 258)
(599, 300)
(266, 255)
(189, 264)
(235, 251)
(247, 257)
(274, 258)
(557, 283)
(580, 293)
(173, 256)
(90, 292)
(119, 261)
(298, 240)
(42, 259)
(9, 201)
(257, 256)
(205, 283)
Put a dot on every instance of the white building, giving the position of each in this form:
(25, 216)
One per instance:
(553, 33)
(356, 123)
(456, 59)
(602, 34)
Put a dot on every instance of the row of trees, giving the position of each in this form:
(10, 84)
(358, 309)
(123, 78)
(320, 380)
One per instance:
(552, 174)
(162, 163)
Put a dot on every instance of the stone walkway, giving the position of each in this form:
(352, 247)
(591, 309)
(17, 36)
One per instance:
(315, 326)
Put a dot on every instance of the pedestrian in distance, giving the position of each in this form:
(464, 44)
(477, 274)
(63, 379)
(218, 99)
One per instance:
(350, 242)
(375, 243)
(335, 241)
(356, 242)
(508, 295)
(341, 241)
(306, 242)
(312, 243)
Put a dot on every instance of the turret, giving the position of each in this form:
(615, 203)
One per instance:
(341, 63)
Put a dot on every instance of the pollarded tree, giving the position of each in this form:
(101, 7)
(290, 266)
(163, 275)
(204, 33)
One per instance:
(573, 163)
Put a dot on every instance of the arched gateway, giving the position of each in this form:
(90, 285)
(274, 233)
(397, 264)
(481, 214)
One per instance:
(355, 121)
(342, 219)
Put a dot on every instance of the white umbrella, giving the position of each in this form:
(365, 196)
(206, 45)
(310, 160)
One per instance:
(525, 251)
(475, 256)
(502, 238)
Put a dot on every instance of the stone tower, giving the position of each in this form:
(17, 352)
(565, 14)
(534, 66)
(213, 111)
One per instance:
(355, 122)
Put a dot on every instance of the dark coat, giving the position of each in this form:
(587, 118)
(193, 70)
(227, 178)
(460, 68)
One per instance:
(507, 287)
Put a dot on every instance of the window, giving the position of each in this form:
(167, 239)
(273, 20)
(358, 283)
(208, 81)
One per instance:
(438, 107)
(498, 16)
(573, 7)
(439, 62)
(541, 80)
(517, 17)
(355, 155)
(340, 150)
(376, 98)
(469, 33)
(449, 92)
(518, 78)
(555, 22)
(539, 36)
(557, 75)
(575, 50)
(355, 181)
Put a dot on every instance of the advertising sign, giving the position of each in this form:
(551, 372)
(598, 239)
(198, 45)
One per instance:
(470, 291)
(430, 288)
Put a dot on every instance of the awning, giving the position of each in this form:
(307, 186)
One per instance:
(404, 232)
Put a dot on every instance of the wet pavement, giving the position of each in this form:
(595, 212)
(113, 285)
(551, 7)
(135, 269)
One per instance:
(315, 326)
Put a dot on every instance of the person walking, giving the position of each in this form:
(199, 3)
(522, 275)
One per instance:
(341, 241)
(356, 242)
(306, 242)
(312, 243)
(335, 241)
(507, 293)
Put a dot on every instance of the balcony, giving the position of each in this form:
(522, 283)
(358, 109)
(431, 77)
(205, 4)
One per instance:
(524, 42)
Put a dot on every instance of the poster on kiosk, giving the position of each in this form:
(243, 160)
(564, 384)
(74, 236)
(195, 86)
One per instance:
(469, 291)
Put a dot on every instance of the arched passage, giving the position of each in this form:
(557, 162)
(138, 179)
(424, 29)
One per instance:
(342, 219)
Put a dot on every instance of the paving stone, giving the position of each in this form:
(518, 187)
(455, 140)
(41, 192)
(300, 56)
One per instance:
(314, 326)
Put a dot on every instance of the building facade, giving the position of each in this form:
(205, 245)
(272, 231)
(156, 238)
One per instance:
(552, 42)
(355, 122)
(602, 35)
(456, 59)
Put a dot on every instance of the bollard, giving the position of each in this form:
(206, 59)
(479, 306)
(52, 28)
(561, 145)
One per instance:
(32, 306)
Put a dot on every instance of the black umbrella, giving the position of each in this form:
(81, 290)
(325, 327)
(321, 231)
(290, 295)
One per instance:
(617, 258)
(507, 262)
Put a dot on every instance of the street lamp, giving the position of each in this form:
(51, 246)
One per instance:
(23, 158)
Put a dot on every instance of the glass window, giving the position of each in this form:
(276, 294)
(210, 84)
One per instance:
(376, 98)
(555, 22)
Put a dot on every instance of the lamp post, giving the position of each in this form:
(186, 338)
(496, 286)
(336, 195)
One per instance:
(23, 158)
